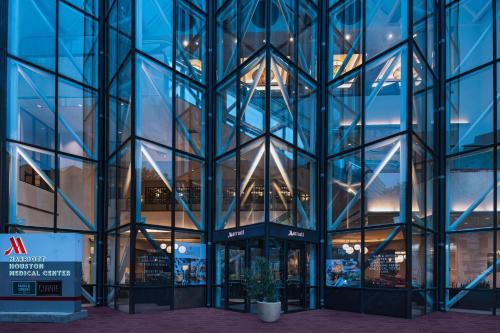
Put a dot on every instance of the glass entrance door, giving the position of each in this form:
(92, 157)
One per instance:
(295, 269)
(236, 271)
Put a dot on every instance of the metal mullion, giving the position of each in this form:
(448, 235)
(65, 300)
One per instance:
(490, 146)
(496, 302)
(56, 117)
(295, 196)
(178, 151)
(133, 154)
(321, 149)
(409, 154)
(470, 71)
(238, 148)
(210, 152)
(473, 230)
(362, 150)
(267, 127)
(440, 167)
(174, 155)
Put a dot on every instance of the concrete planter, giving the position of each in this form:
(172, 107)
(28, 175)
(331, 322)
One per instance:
(269, 312)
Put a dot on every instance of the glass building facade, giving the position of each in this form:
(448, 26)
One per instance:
(352, 143)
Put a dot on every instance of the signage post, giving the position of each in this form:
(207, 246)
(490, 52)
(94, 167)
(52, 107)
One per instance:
(40, 277)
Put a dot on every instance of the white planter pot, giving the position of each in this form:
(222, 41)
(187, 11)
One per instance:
(269, 312)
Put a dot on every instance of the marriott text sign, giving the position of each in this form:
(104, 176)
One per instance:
(40, 272)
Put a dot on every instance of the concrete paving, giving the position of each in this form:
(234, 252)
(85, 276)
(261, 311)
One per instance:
(212, 320)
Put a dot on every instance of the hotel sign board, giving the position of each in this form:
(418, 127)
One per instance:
(40, 272)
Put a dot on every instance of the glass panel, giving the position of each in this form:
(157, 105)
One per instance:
(189, 117)
(277, 258)
(283, 29)
(226, 192)
(77, 194)
(252, 171)
(31, 177)
(306, 192)
(424, 32)
(344, 113)
(423, 101)
(308, 38)
(344, 192)
(418, 258)
(220, 263)
(191, 42)
(311, 266)
(120, 108)
(252, 27)
(153, 258)
(386, 25)
(253, 99)
(110, 260)
(469, 114)
(32, 31)
(430, 258)
(155, 184)
(385, 255)
(123, 258)
(472, 208)
(190, 192)
(343, 263)
(78, 118)
(30, 105)
(226, 117)
(418, 184)
(78, 45)
(470, 260)
(236, 268)
(227, 40)
(154, 29)
(385, 182)
(385, 95)
(190, 267)
(307, 114)
(468, 35)
(154, 102)
(90, 6)
(202, 4)
(345, 39)
(281, 176)
(119, 181)
(283, 97)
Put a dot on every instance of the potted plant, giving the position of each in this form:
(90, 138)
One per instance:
(262, 286)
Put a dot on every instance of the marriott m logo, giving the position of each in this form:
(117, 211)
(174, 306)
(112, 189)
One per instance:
(16, 245)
